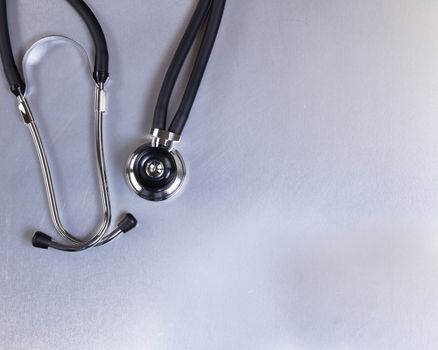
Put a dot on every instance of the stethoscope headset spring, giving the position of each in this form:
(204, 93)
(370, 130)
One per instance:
(156, 169)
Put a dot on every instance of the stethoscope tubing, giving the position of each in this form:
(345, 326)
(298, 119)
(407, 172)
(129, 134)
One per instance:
(101, 60)
(13, 76)
(211, 12)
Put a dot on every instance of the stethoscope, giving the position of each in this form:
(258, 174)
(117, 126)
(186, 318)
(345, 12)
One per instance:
(156, 170)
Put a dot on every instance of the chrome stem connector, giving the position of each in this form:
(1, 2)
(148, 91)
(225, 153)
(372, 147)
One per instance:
(164, 138)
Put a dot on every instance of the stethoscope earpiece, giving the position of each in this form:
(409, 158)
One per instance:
(44, 241)
(156, 170)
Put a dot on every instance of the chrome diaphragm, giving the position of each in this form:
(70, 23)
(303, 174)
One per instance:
(156, 171)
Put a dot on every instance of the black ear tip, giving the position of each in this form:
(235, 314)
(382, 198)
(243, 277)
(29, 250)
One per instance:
(41, 240)
(127, 223)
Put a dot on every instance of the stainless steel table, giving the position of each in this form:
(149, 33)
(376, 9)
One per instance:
(310, 216)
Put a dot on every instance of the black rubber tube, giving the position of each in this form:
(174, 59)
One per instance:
(15, 81)
(214, 21)
(177, 63)
(101, 62)
(13, 76)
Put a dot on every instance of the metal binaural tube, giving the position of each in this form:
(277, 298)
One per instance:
(100, 75)
(97, 238)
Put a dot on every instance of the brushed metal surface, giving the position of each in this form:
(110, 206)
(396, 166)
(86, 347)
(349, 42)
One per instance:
(310, 216)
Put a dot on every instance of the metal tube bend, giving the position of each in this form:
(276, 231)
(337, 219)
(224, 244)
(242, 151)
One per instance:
(100, 236)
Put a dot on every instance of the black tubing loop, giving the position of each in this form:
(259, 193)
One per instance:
(101, 61)
(177, 63)
(182, 115)
(13, 76)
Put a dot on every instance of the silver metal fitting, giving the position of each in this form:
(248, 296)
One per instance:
(164, 138)
(23, 107)
(100, 98)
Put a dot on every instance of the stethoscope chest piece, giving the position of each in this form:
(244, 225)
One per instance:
(156, 170)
